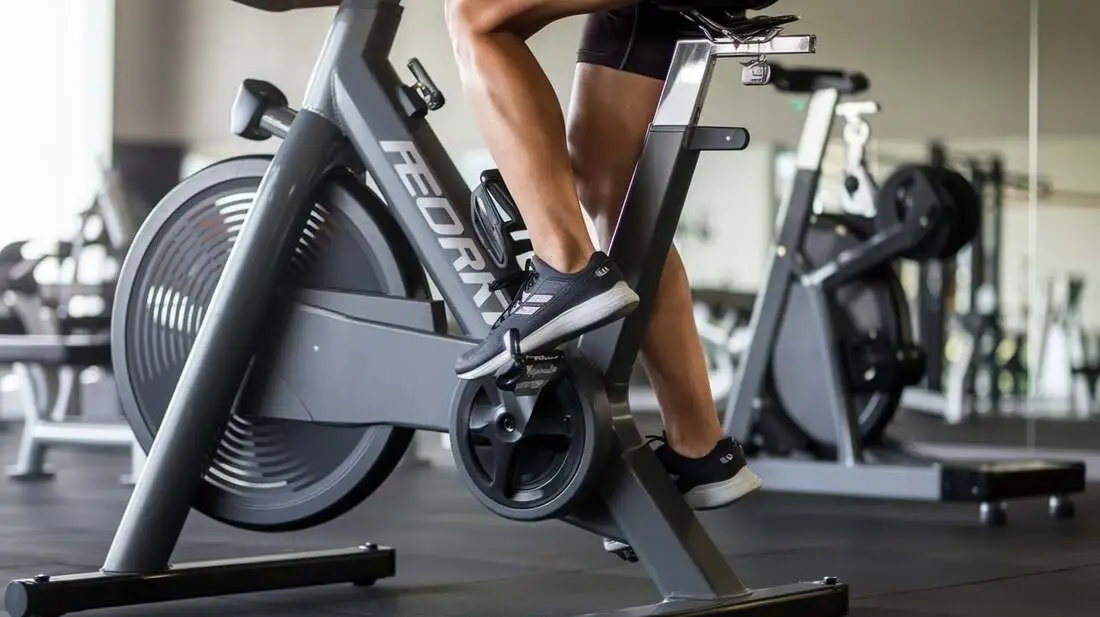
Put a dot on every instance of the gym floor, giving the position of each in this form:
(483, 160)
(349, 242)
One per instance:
(457, 559)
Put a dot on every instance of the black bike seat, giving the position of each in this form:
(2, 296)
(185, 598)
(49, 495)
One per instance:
(734, 6)
(278, 6)
(810, 80)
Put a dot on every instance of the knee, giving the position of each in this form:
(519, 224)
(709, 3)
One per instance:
(469, 18)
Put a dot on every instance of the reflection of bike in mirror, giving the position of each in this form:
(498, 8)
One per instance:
(832, 300)
(276, 346)
(799, 425)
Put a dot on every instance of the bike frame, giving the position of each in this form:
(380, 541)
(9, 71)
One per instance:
(355, 99)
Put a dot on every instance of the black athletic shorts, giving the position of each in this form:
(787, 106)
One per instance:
(639, 38)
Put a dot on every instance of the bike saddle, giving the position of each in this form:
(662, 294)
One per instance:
(733, 6)
(278, 6)
(727, 19)
(810, 80)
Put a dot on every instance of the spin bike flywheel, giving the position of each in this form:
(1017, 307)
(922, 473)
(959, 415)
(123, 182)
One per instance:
(265, 475)
(871, 306)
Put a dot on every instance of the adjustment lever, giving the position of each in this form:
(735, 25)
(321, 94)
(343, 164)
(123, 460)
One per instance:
(425, 87)
(530, 373)
(260, 111)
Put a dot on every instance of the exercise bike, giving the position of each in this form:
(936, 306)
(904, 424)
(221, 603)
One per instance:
(276, 347)
(832, 302)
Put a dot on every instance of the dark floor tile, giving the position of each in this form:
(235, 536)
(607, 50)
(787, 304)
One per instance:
(1066, 593)
(455, 558)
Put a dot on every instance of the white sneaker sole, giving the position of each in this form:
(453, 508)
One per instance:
(709, 497)
(568, 324)
(721, 494)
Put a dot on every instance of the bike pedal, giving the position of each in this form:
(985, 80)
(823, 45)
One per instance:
(627, 554)
(530, 372)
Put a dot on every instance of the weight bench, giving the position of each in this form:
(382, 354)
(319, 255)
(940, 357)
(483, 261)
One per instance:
(49, 403)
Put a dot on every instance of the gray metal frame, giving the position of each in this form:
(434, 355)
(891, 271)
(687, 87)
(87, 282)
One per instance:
(794, 221)
(356, 99)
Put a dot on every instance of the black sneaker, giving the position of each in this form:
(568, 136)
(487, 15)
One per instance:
(719, 479)
(550, 309)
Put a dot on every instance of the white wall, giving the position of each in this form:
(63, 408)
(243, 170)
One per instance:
(149, 47)
(942, 67)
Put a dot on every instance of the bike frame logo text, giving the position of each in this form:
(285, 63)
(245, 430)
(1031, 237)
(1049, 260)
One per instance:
(469, 261)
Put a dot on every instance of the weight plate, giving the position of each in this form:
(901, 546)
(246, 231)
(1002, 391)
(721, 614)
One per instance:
(539, 468)
(892, 208)
(265, 475)
(967, 208)
(862, 307)
(888, 212)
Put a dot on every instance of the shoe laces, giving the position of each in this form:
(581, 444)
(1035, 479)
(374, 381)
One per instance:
(529, 275)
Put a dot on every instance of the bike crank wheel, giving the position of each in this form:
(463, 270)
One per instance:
(538, 464)
(265, 475)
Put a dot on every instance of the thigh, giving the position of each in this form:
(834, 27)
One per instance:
(527, 17)
(639, 39)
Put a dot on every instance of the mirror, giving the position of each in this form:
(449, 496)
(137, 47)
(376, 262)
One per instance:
(1063, 418)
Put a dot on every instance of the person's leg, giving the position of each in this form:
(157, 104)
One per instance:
(572, 288)
(609, 114)
(520, 116)
(621, 65)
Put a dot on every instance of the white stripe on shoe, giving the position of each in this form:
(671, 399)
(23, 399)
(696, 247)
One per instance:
(568, 323)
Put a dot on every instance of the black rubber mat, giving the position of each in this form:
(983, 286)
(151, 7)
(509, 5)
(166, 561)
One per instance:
(457, 560)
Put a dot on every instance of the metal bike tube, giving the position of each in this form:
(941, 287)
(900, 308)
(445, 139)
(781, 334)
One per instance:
(413, 171)
(679, 556)
(219, 359)
(647, 224)
(772, 302)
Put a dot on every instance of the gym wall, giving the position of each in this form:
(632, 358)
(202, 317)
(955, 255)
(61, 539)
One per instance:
(940, 68)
